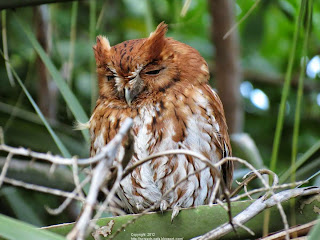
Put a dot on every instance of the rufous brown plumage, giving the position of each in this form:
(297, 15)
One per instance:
(162, 84)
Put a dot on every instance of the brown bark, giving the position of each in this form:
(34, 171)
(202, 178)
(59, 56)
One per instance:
(47, 90)
(228, 74)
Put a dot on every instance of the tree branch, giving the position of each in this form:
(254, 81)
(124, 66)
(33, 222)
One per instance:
(39, 174)
(228, 74)
(19, 3)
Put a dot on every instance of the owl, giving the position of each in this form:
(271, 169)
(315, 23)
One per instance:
(162, 84)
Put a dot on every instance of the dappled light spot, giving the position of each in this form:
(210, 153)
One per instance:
(246, 89)
(259, 99)
(318, 99)
(313, 67)
(288, 108)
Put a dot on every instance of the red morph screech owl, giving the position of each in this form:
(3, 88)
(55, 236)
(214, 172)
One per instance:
(162, 84)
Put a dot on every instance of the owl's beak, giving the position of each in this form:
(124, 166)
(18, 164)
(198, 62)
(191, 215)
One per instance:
(127, 95)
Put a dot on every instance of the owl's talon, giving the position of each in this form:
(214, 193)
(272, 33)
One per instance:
(163, 205)
(139, 207)
(175, 212)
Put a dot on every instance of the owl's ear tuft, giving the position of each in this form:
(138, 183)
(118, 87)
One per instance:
(156, 41)
(160, 31)
(101, 50)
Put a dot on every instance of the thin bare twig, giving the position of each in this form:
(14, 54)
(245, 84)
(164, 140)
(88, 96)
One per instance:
(185, 8)
(100, 173)
(215, 191)
(54, 159)
(76, 177)
(251, 176)
(242, 19)
(68, 200)
(1, 136)
(41, 189)
(270, 191)
(110, 196)
(255, 208)
(5, 168)
(301, 229)
(287, 185)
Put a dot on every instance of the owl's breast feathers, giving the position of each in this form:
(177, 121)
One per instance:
(188, 115)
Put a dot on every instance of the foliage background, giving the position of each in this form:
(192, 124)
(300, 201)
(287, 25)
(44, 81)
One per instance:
(265, 39)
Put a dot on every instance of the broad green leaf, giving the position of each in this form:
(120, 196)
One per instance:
(17, 230)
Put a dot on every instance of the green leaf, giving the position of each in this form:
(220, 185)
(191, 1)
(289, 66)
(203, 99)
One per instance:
(92, 32)
(315, 231)
(5, 46)
(243, 146)
(16, 230)
(286, 88)
(66, 92)
(21, 208)
(306, 156)
(297, 117)
(56, 139)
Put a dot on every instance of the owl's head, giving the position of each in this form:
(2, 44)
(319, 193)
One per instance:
(135, 70)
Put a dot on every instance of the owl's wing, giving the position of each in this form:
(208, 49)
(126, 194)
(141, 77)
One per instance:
(224, 141)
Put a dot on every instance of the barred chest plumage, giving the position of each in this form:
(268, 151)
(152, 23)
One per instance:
(175, 121)
(161, 84)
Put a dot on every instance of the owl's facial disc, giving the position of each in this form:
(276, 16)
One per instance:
(134, 69)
